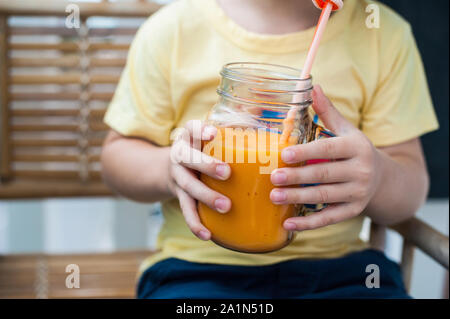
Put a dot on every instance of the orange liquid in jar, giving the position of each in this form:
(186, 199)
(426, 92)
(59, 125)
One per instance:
(254, 223)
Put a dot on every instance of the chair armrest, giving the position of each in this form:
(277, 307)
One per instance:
(429, 240)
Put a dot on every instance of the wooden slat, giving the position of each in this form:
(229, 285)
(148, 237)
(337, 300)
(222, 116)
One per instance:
(94, 158)
(9, 280)
(107, 62)
(4, 100)
(74, 78)
(69, 61)
(115, 293)
(67, 46)
(45, 96)
(94, 279)
(89, 294)
(101, 96)
(104, 79)
(46, 79)
(104, 32)
(98, 126)
(42, 30)
(57, 8)
(91, 266)
(80, 257)
(108, 46)
(57, 266)
(91, 278)
(45, 112)
(97, 113)
(44, 127)
(43, 143)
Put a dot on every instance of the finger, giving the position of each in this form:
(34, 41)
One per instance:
(189, 183)
(310, 174)
(189, 211)
(328, 193)
(200, 131)
(330, 116)
(331, 215)
(328, 148)
(182, 153)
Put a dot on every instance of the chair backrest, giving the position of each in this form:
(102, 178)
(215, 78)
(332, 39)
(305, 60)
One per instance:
(57, 78)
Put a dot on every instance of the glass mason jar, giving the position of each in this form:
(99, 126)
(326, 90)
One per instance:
(262, 108)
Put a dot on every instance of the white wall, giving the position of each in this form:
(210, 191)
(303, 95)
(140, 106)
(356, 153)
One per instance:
(76, 225)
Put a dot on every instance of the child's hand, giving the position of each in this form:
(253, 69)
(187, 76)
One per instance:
(347, 183)
(186, 160)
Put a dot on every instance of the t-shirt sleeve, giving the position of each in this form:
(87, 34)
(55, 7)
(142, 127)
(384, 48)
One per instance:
(141, 105)
(400, 108)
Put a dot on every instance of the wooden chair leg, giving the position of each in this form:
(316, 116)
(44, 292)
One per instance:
(377, 236)
(407, 263)
(445, 287)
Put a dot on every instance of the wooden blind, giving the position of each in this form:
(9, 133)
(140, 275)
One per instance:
(56, 85)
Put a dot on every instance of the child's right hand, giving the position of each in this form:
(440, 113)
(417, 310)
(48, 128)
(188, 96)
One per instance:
(186, 161)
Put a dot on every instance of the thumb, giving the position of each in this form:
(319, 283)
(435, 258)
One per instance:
(330, 116)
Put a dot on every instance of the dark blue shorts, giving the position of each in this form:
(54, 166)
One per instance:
(324, 278)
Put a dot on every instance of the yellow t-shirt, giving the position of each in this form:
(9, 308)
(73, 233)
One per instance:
(374, 77)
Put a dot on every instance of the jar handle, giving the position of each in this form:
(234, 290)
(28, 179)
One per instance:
(317, 133)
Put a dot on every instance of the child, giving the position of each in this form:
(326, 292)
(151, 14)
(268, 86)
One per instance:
(378, 105)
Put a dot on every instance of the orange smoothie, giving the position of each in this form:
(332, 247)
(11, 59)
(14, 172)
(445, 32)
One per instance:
(254, 223)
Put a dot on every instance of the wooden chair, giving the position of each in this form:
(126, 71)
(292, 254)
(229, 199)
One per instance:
(55, 84)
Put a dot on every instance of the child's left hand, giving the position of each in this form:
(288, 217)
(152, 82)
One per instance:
(347, 183)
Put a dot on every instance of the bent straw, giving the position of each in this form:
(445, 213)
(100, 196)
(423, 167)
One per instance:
(288, 123)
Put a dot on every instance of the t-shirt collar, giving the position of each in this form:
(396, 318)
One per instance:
(266, 43)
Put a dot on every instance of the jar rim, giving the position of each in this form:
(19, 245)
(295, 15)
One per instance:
(236, 70)
(263, 79)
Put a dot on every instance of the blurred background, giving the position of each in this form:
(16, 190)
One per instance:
(95, 224)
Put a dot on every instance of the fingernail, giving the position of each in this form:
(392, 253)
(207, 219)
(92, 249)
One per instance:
(208, 132)
(287, 155)
(278, 195)
(279, 177)
(222, 171)
(204, 235)
(289, 226)
(221, 205)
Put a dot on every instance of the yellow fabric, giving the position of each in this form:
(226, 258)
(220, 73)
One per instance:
(374, 77)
